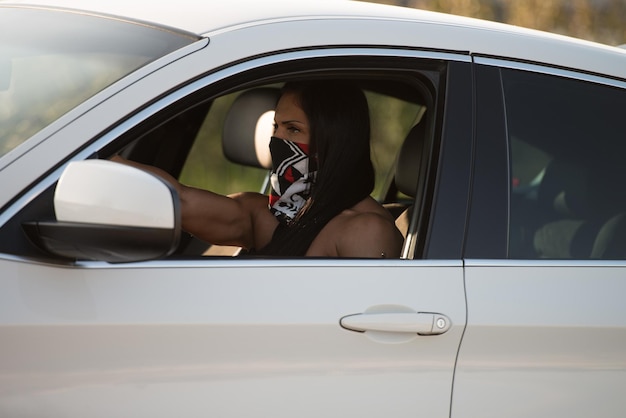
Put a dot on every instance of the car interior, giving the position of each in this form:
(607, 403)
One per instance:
(245, 126)
(572, 205)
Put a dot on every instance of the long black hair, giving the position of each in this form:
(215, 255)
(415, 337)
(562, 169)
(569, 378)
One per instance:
(339, 127)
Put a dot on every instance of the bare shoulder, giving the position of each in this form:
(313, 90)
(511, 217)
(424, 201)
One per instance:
(367, 230)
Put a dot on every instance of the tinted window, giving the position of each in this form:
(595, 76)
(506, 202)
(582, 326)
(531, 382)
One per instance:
(567, 145)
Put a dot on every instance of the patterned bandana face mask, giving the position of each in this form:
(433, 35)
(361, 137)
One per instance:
(290, 178)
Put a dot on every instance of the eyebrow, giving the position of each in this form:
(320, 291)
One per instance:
(285, 122)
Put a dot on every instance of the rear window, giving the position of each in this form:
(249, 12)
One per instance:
(51, 61)
(567, 150)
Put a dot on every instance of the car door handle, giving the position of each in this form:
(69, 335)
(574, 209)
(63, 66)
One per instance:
(422, 323)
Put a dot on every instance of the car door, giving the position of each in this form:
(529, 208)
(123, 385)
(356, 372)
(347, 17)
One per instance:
(544, 272)
(240, 337)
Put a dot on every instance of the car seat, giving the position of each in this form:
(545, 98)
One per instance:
(580, 216)
(408, 171)
(248, 127)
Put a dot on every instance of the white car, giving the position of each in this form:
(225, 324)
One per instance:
(500, 150)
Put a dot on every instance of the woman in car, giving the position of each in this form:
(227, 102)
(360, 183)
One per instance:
(322, 177)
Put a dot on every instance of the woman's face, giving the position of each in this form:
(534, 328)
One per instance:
(290, 122)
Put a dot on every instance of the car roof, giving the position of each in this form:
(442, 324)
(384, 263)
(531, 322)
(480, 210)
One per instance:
(480, 37)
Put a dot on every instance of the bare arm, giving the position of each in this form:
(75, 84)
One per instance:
(218, 219)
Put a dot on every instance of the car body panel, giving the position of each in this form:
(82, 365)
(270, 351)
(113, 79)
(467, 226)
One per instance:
(216, 336)
(549, 331)
(553, 331)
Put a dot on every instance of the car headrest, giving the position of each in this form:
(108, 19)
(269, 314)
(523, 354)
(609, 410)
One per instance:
(564, 190)
(248, 127)
(580, 190)
(409, 159)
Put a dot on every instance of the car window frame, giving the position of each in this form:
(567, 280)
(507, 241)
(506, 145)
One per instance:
(450, 200)
(218, 81)
(489, 213)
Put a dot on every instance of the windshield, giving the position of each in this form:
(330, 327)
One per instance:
(51, 61)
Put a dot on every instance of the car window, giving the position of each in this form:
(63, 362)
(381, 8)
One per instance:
(567, 142)
(194, 147)
(50, 62)
(186, 139)
(207, 167)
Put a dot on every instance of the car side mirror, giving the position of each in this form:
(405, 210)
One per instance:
(110, 212)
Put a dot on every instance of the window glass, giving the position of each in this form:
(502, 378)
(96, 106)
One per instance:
(567, 144)
(51, 61)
